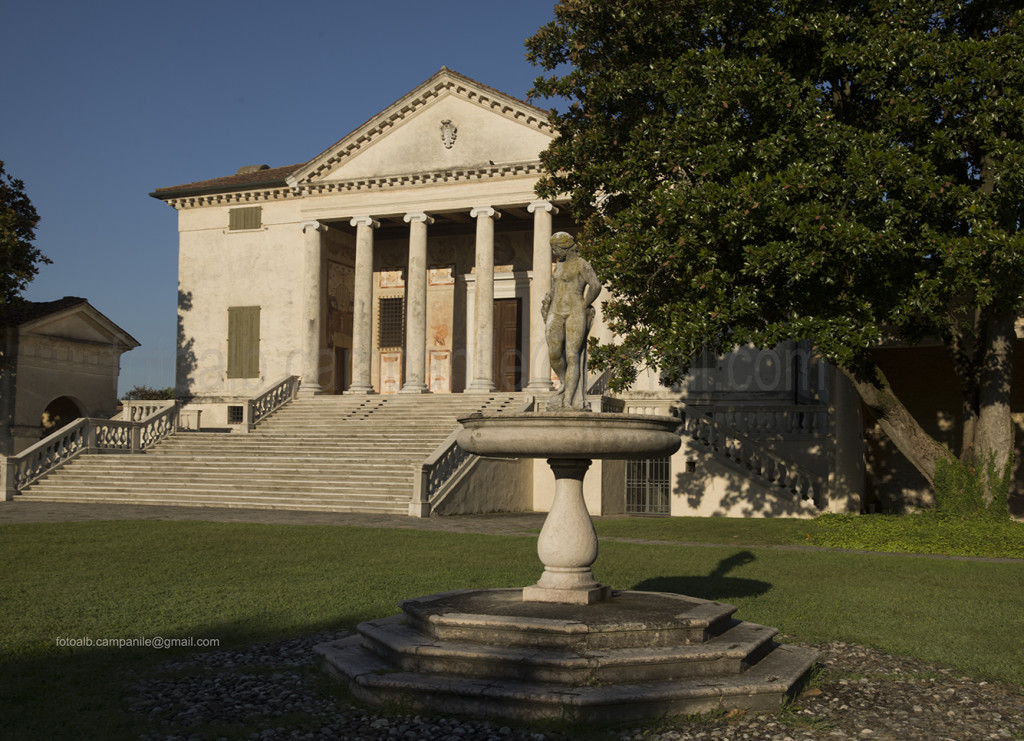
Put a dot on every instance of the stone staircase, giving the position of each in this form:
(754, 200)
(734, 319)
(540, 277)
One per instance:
(324, 453)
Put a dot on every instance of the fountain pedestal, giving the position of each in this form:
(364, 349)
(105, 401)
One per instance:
(567, 545)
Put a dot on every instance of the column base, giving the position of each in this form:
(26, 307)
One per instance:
(539, 387)
(414, 388)
(359, 391)
(308, 389)
(572, 585)
(536, 593)
(480, 387)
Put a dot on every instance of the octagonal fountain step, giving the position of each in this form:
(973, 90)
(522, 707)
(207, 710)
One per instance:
(636, 655)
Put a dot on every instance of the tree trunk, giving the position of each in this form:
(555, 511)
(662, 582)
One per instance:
(993, 435)
(898, 423)
(8, 358)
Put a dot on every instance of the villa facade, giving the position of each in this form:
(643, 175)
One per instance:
(411, 257)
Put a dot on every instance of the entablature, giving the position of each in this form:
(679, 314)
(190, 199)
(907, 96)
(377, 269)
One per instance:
(325, 187)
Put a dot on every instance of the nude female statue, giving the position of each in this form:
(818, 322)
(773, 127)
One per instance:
(568, 313)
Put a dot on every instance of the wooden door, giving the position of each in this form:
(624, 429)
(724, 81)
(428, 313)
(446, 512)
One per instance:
(508, 371)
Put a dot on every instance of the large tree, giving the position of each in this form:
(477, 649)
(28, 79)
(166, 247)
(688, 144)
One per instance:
(753, 171)
(19, 258)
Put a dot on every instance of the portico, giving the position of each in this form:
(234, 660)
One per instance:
(469, 284)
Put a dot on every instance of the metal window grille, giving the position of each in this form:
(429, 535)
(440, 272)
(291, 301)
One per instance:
(235, 415)
(245, 217)
(648, 487)
(391, 322)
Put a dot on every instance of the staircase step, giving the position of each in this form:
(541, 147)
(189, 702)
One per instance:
(342, 454)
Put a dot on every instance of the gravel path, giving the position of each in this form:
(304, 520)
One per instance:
(277, 691)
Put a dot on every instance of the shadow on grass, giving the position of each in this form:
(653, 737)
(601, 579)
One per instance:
(715, 586)
(82, 692)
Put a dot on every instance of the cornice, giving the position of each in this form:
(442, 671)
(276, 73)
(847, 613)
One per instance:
(384, 182)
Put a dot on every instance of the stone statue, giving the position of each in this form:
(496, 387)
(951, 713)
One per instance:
(568, 313)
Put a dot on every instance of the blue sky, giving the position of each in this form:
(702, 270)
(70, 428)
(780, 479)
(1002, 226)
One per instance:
(106, 101)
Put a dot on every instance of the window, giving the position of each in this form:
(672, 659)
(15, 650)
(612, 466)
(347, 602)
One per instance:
(246, 217)
(647, 487)
(236, 415)
(391, 322)
(244, 342)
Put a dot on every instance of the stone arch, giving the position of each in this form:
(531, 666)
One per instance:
(59, 412)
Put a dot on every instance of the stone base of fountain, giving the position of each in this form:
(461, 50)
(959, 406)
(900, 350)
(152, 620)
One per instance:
(568, 648)
(635, 655)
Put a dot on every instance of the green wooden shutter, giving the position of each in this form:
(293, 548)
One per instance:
(243, 342)
(245, 217)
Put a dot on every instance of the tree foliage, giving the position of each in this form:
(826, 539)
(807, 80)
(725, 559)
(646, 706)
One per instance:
(753, 171)
(147, 393)
(19, 258)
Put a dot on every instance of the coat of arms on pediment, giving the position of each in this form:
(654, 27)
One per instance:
(448, 133)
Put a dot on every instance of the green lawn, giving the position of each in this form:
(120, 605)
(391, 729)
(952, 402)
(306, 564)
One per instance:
(922, 533)
(244, 583)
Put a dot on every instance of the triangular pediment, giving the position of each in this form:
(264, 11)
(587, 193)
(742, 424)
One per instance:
(449, 123)
(81, 323)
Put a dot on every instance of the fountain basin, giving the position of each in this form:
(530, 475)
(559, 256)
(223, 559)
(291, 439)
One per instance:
(579, 435)
(569, 440)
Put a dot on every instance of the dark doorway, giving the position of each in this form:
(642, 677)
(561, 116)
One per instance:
(508, 367)
(341, 370)
(59, 412)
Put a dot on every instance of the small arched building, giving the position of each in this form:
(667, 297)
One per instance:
(63, 359)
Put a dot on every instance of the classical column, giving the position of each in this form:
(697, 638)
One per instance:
(483, 364)
(416, 305)
(540, 365)
(312, 307)
(362, 311)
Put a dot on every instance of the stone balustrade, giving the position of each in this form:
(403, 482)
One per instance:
(443, 469)
(801, 420)
(750, 455)
(270, 400)
(140, 426)
(136, 410)
(87, 435)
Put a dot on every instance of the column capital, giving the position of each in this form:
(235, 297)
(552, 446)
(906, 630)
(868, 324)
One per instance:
(366, 220)
(418, 216)
(479, 211)
(536, 206)
(314, 225)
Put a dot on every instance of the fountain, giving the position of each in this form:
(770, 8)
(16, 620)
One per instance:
(568, 647)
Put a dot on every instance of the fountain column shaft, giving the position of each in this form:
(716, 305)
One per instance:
(567, 545)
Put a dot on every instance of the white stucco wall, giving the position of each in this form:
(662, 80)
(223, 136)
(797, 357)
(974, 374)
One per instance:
(219, 269)
(494, 485)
